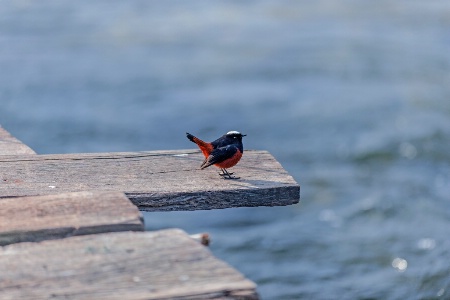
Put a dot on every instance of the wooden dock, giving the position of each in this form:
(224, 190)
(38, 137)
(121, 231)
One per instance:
(70, 226)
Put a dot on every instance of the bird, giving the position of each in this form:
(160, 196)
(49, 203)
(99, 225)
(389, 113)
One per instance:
(224, 153)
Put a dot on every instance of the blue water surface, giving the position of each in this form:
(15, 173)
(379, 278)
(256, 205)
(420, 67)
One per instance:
(352, 97)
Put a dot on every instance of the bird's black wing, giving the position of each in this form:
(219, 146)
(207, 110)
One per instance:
(219, 155)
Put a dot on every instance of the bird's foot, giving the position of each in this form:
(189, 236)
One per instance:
(227, 175)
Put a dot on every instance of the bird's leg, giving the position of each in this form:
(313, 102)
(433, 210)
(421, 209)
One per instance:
(227, 175)
(225, 172)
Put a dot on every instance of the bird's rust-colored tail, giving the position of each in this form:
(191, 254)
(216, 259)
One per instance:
(206, 148)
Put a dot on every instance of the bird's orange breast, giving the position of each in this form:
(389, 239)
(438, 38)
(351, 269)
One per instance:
(230, 162)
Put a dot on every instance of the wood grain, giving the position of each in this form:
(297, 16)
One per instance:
(154, 181)
(9, 145)
(165, 264)
(32, 219)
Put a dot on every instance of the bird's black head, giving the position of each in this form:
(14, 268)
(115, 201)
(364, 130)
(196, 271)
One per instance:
(230, 138)
(235, 135)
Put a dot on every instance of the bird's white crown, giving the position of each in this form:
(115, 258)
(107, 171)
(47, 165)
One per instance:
(233, 132)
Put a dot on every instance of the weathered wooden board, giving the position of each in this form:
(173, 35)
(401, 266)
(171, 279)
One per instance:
(154, 181)
(165, 264)
(9, 145)
(31, 219)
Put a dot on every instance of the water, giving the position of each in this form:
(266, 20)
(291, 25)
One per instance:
(352, 97)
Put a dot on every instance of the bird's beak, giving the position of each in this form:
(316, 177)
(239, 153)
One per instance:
(243, 134)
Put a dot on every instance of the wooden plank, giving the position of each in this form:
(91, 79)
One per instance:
(32, 219)
(9, 145)
(165, 264)
(154, 181)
